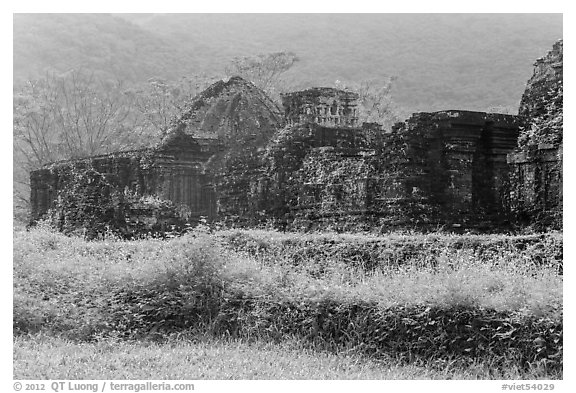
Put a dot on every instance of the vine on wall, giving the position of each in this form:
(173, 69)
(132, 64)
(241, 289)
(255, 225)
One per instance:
(92, 204)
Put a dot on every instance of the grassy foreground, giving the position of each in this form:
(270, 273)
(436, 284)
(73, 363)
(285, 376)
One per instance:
(454, 313)
(41, 357)
(53, 358)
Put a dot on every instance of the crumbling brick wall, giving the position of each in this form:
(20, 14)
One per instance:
(443, 169)
(123, 170)
(334, 190)
(293, 156)
(536, 164)
(157, 188)
(536, 186)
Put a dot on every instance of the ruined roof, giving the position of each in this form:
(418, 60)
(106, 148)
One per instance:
(229, 110)
(548, 75)
(105, 156)
(474, 117)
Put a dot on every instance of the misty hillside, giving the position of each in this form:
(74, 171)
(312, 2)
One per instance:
(109, 46)
(440, 61)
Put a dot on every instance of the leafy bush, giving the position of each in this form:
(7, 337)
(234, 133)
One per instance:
(412, 333)
(92, 205)
(81, 289)
(185, 294)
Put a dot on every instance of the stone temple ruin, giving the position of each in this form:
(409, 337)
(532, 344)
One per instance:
(234, 157)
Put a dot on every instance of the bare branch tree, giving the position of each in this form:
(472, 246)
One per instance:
(69, 116)
(263, 70)
(159, 101)
(375, 101)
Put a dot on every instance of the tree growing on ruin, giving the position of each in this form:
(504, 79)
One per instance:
(264, 70)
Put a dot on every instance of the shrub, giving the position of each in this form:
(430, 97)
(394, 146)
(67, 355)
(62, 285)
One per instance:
(412, 333)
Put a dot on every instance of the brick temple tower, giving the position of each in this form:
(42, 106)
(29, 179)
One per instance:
(325, 106)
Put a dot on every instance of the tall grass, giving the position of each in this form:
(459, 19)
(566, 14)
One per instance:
(45, 357)
(369, 251)
(49, 264)
(456, 305)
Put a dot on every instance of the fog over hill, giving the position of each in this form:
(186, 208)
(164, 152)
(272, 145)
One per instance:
(111, 47)
(439, 61)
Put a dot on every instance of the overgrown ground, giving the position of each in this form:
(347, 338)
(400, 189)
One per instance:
(323, 306)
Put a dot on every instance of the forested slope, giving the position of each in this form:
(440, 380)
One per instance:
(440, 61)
